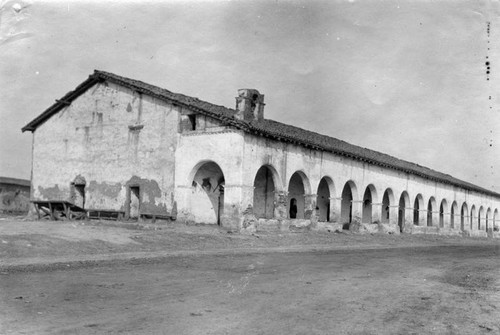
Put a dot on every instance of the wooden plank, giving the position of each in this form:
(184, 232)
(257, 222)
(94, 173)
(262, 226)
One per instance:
(37, 211)
(51, 212)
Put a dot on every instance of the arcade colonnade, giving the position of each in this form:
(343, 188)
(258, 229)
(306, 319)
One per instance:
(288, 182)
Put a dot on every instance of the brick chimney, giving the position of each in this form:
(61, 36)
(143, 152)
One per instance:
(249, 105)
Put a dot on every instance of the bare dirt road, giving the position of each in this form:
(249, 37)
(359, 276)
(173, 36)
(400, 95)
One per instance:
(431, 290)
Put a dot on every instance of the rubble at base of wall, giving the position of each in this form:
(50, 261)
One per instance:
(449, 232)
(478, 233)
(268, 225)
(388, 228)
(377, 228)
(425, 230)
(251, 225)
(366, 228)
(331, 227)
(298, 225)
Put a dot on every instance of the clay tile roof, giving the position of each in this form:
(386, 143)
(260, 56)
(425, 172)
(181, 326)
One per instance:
(269, 128)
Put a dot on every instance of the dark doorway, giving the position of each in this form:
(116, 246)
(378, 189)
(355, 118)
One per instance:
(293, 208)
(134, 200)
(346, 206)
(296, 190)
(263, 194)
(416, 212)
(79, 195)
(220, 205)
(401, 213)
(323, 201)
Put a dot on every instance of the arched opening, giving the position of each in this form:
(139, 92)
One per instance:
(346, 212)
(369, 197)
(488, 217)
(417, 206)
(472, 216)
(463, 214)
(386, 206)
(495, 220)
(454, 211)
(207, 198)
(404, 200)
(263, 193)
(431, 207)
(296, 196)
(323, 199)
(480, 216)
(442, 209)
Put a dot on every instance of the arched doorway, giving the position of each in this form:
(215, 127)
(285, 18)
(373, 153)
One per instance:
(417, 206)
(479, 217)
(443, 207)
(463, 214)
(323, 199)
(488, 217)
(207, 196)
(369, 197)
(263, 193)
(495, 220)
(472, 216)
(346, 209)
(387, 202)
(296, 196)
(454, 211)
(431, 208)
(404, 201)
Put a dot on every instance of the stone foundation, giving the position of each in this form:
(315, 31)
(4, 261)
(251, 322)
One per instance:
(331, 227)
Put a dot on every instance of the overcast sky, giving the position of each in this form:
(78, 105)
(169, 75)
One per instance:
(407, 78)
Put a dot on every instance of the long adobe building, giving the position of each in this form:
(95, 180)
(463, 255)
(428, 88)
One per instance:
(121, 145)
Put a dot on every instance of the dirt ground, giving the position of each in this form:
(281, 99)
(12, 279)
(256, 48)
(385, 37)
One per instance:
(399, 285)
(39, 241)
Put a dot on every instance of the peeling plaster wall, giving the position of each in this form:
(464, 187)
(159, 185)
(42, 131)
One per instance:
(113, 137)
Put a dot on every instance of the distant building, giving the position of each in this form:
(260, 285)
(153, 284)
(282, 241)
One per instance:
(120, 144)
(14, 195)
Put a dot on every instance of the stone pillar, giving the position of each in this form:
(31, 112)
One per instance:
(280, 205)
(408, 220)
(409, 216)
(422, 217)
(473, 226)
(310, 212)
(446, 220)
(335, 206)
(376, 212)
(466, 223)
(237, 198)
(482, 224)
(393, 214)
(357, 210)
(456, 221)
(435, 219)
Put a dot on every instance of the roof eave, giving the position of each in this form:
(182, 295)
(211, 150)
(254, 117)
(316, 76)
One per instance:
(61, 103)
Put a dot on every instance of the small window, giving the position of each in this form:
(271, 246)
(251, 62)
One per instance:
(192, 121)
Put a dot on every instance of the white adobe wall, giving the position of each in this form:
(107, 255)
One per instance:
(92, 138)
(286, 159)
(225, 148)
